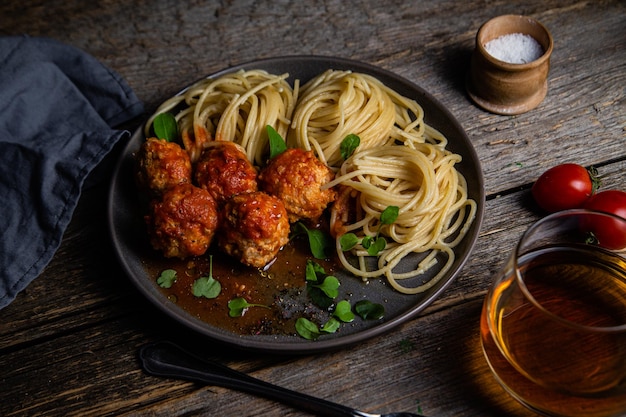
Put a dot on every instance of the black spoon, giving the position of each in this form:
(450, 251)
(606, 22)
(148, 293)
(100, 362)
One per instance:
(169, 360)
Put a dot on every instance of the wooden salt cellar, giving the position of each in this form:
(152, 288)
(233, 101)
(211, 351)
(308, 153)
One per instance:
(506, 88)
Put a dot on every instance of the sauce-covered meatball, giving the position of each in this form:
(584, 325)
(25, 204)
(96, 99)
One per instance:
(183, 221)
(254, 227)
(224, 170)
(161, 165)
(296, 177)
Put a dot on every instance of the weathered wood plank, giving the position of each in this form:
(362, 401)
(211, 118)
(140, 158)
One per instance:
(68, 343)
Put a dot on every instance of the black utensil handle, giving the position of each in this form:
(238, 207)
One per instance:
(169, 360)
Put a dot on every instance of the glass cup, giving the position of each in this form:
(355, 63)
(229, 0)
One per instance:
(553, 325)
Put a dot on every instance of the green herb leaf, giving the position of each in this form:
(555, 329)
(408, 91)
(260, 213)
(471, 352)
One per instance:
(368, 310)
(319, 242)
(167, 278)
(307, 329)
(331, 326)
(367, 241)
(318, 297)
(389, 215)
(321, 288)
(330, 286)
(377, 246)
(277, 143)
(238, 306)
(348, 145)
(348, 241)
(207, 287)
(343, 311)
(314, 272)
(165, 127)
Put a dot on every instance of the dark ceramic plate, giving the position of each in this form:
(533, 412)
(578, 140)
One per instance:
(128, 234)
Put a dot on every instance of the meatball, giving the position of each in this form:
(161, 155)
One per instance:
(183, 221)
(254, 227)
(224, 170)
(296, 177)
(161, 165)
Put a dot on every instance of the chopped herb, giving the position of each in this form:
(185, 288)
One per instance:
(373, 244)
(319, 297)
(321, 287)
(343, 311)
(167, 278)
(307, 329)
(207, 286)
(330, 286)
(377, 246)
(277, 143)
(331, 326)
(348, 241)
(368, 310)
(165, 127)
(322, 290)
(389, 215)
(348, 145)
(314, 271)
(319, 242)
(238, 306)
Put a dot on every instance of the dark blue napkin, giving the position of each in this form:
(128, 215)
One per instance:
(58, 110)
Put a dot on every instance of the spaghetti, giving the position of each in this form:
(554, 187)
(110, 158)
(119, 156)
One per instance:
(234, 107)
(401, 161)
(336, 104)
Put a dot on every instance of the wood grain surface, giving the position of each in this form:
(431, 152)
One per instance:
(68, 343)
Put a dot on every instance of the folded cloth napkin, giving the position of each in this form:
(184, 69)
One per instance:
(58, 110)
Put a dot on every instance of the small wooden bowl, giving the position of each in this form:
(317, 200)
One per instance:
(505, 88)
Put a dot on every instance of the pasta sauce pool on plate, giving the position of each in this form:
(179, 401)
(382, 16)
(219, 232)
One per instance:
(280, 291)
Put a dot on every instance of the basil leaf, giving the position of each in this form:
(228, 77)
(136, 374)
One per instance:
(330, 286)
(319, 242)
(314, 271)
(389, 215)
(348, 241)
(277, 143)
(319, 297)
(377, 246)
(348, 145)
(343, 311)
(167, 278)
(307, 329)
(368, 310)
(331, 326)
(236, 307)
(165, 127)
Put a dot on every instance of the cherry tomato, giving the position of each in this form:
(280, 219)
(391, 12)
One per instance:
(610, 233)
(563, 187)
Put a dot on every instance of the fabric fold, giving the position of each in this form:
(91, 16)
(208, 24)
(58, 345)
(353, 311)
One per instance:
(59, 107)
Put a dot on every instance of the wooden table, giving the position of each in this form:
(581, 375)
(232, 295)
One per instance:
(68, 343)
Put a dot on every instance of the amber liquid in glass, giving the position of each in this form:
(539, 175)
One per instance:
(543, 357)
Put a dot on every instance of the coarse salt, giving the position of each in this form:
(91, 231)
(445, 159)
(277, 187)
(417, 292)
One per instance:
(514, 48)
